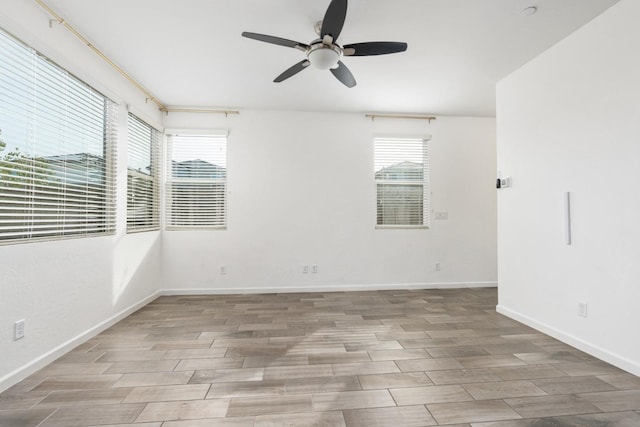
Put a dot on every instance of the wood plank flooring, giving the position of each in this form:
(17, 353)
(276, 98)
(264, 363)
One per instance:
(386, 358)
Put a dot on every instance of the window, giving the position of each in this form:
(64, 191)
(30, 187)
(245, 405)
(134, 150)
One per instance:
(142, 176)
(56, 152)
(402, 182)
(197, 184)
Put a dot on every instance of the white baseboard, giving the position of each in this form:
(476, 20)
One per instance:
(609, 357)
(327, 288)
(21, 373)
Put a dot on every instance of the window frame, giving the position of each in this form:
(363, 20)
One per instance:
(387, 140)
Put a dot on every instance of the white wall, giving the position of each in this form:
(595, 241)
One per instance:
(67, 290)
(301, 192)
(570, 121)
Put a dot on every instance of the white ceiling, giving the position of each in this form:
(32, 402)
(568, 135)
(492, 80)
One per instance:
(189, 53)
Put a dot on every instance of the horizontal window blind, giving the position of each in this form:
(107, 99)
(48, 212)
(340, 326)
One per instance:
(402, 181)
(56, 152)
(142, 176)
(197, 184)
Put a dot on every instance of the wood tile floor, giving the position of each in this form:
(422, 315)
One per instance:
(390, 358)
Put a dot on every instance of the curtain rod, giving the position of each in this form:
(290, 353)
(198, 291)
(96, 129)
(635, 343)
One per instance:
(399, 116)
(83, 39)
(199, 110)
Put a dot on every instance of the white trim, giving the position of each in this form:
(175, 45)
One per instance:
(40, 362)
(592, 349)
(326, 288)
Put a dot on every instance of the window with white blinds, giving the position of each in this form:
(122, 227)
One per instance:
(142, 176)
(402, 182)
(56, 152)
(197, 181)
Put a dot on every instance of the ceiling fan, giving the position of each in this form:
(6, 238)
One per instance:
(324, 53)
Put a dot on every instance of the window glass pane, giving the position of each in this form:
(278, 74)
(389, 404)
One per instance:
(400, 204)
(198, 157)
(56, 159)
(198, 204)
(401, 175)
(197, 189)
(139, 147)
(142, 176)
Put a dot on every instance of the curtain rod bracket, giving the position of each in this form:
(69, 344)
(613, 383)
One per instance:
(59, 21)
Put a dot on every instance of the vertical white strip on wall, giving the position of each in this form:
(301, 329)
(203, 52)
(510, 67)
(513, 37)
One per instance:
(567, 217)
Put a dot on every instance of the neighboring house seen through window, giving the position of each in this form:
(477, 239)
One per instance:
(197, 181)
(402, 182)
(57, 138)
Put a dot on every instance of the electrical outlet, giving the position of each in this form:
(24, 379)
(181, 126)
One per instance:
(314, 269)
(305, 269)
(437, 266)
(582, 309)
(223, 269)
(18, 330)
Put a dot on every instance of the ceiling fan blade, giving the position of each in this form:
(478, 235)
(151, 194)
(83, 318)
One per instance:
(292, 71)
(343, 74)
(334, 19)
(373, 48)
(275, 40)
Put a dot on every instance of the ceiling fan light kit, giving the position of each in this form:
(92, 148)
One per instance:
(324, 57)
(324, 53)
